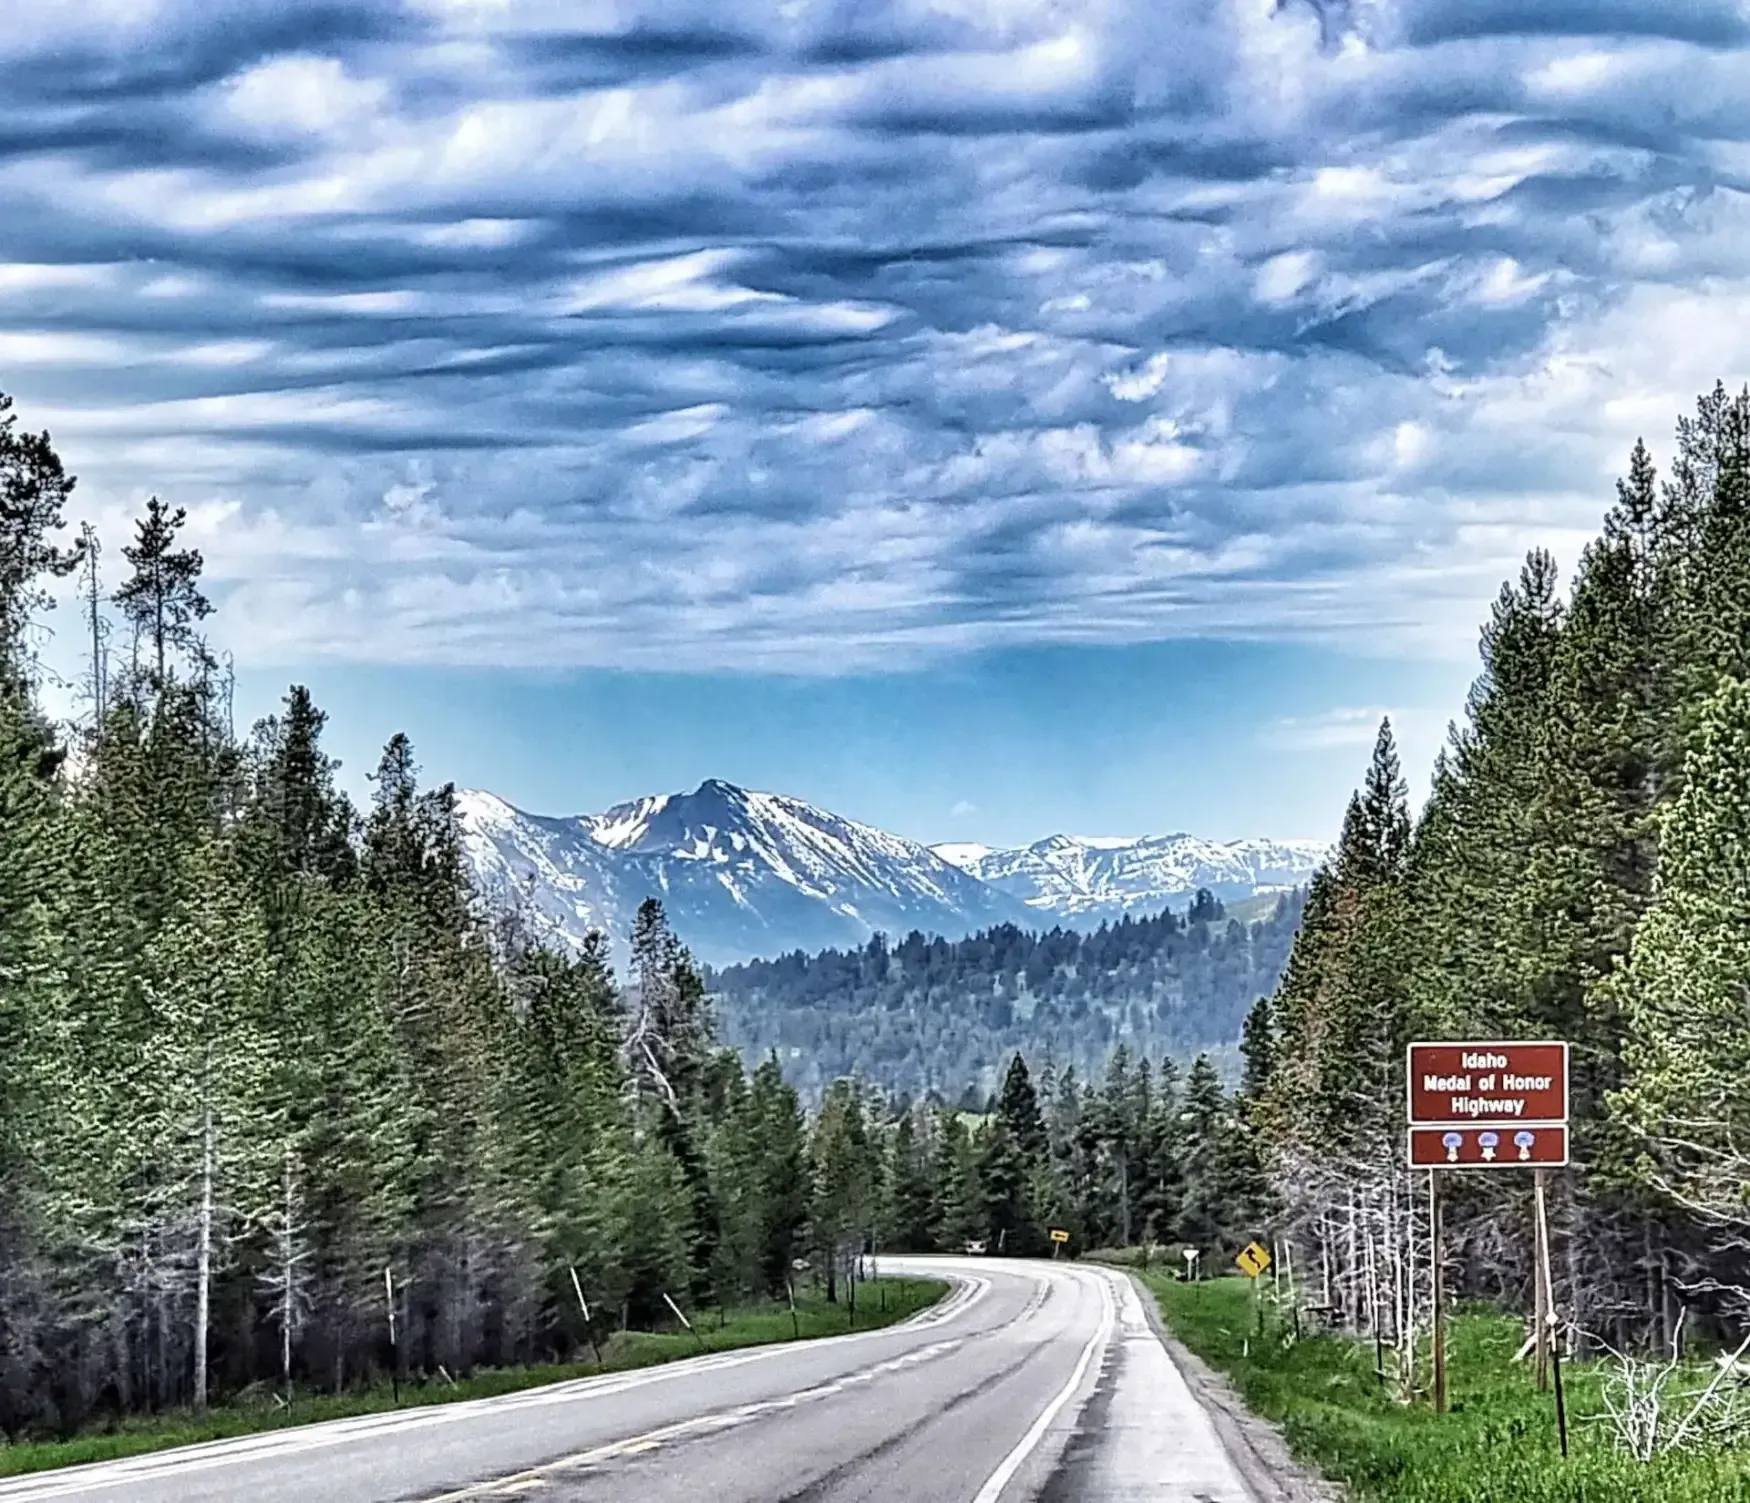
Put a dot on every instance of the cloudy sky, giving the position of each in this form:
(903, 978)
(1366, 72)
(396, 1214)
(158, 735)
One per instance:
(982, 416)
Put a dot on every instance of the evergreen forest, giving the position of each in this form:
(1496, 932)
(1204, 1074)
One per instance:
(270, 1068)
(936, 1015)
(284, 1105)
(1581, 871)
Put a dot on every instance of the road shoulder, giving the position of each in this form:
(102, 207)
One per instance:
(1256, 1447)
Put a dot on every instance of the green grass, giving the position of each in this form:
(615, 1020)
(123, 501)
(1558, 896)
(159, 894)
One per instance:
(879, 1303)
(1496, 1445)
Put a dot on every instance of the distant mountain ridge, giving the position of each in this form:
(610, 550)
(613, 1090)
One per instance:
(1085, 880)
(745, 873)
(741, 873)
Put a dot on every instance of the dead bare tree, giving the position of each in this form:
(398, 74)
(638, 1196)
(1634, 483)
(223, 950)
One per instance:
(286, 1278)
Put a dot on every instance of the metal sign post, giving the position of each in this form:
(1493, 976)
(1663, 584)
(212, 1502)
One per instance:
(1437, 1260)
(1546, 1286)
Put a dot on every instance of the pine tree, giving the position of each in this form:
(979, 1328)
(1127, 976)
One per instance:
(210, 1133)
(1682, 991)
(1005, 1189)
(1018, 1109)
(1163, 1171)
(1204, 1216)
(33, 1004)
(957, 1214)
(34, 488)
(908, 1174)
(1258, 1050)
(162, 598)
(844, 1185)
(669, 1024)
(784, 1179)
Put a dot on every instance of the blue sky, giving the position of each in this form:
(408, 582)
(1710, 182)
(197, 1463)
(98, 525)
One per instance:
(1080, 415)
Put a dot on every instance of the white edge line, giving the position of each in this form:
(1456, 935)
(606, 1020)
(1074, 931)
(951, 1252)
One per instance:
(59, 1482)
(1010, 1464)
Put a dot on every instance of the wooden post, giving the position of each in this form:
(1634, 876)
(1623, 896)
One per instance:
(1293, 1292)
(684, 1321)
(394, 1344)
(1437, 1259)
(1378, 1342)
(1373, 1262)
(1549, 1304)
(588, 1324)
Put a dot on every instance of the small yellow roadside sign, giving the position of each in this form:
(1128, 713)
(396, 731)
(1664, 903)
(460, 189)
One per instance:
(1059, 1235)
(1253, 1260)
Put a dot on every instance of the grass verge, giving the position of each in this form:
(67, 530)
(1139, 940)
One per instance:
(881, 1302)
(1497, 1444)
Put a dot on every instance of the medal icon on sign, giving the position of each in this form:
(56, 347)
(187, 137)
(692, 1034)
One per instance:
(1523, 1141)
(1453, 1141)
(1489, 1140)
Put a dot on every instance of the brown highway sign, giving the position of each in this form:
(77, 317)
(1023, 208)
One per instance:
(1450, 1147)
(1496, 1104)
(1493, 1084)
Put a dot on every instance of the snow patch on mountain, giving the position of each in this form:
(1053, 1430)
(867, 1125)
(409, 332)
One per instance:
(1089, 879)
(741, 873)
(744, 873)
(964, 854)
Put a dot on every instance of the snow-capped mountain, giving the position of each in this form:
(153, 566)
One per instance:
(1084, 879)
(740, 873)
(743, 874)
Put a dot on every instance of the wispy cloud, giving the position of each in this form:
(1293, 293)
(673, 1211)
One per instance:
(962, 808)
(826, 336)
(1330, 730)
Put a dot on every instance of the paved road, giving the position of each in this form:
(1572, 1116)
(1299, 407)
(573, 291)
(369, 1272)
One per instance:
(1034, 1381)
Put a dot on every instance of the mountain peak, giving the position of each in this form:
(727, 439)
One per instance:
(717, 788)
(744, 873)
(741, 873)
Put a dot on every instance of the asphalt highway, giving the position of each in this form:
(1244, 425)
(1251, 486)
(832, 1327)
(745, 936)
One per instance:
(1029, 1381)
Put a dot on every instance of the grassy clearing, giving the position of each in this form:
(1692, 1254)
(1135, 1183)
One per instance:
(881, 1302)
(1498, 1444)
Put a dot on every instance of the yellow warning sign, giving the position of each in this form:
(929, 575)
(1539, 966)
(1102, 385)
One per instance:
(1059, 1235)
(1254, 1258)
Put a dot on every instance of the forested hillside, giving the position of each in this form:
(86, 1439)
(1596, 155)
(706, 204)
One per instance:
(269, 1072)
(945, 1015)
(1581, 871)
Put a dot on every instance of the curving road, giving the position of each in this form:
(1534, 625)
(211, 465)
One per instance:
(1035, 1381)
